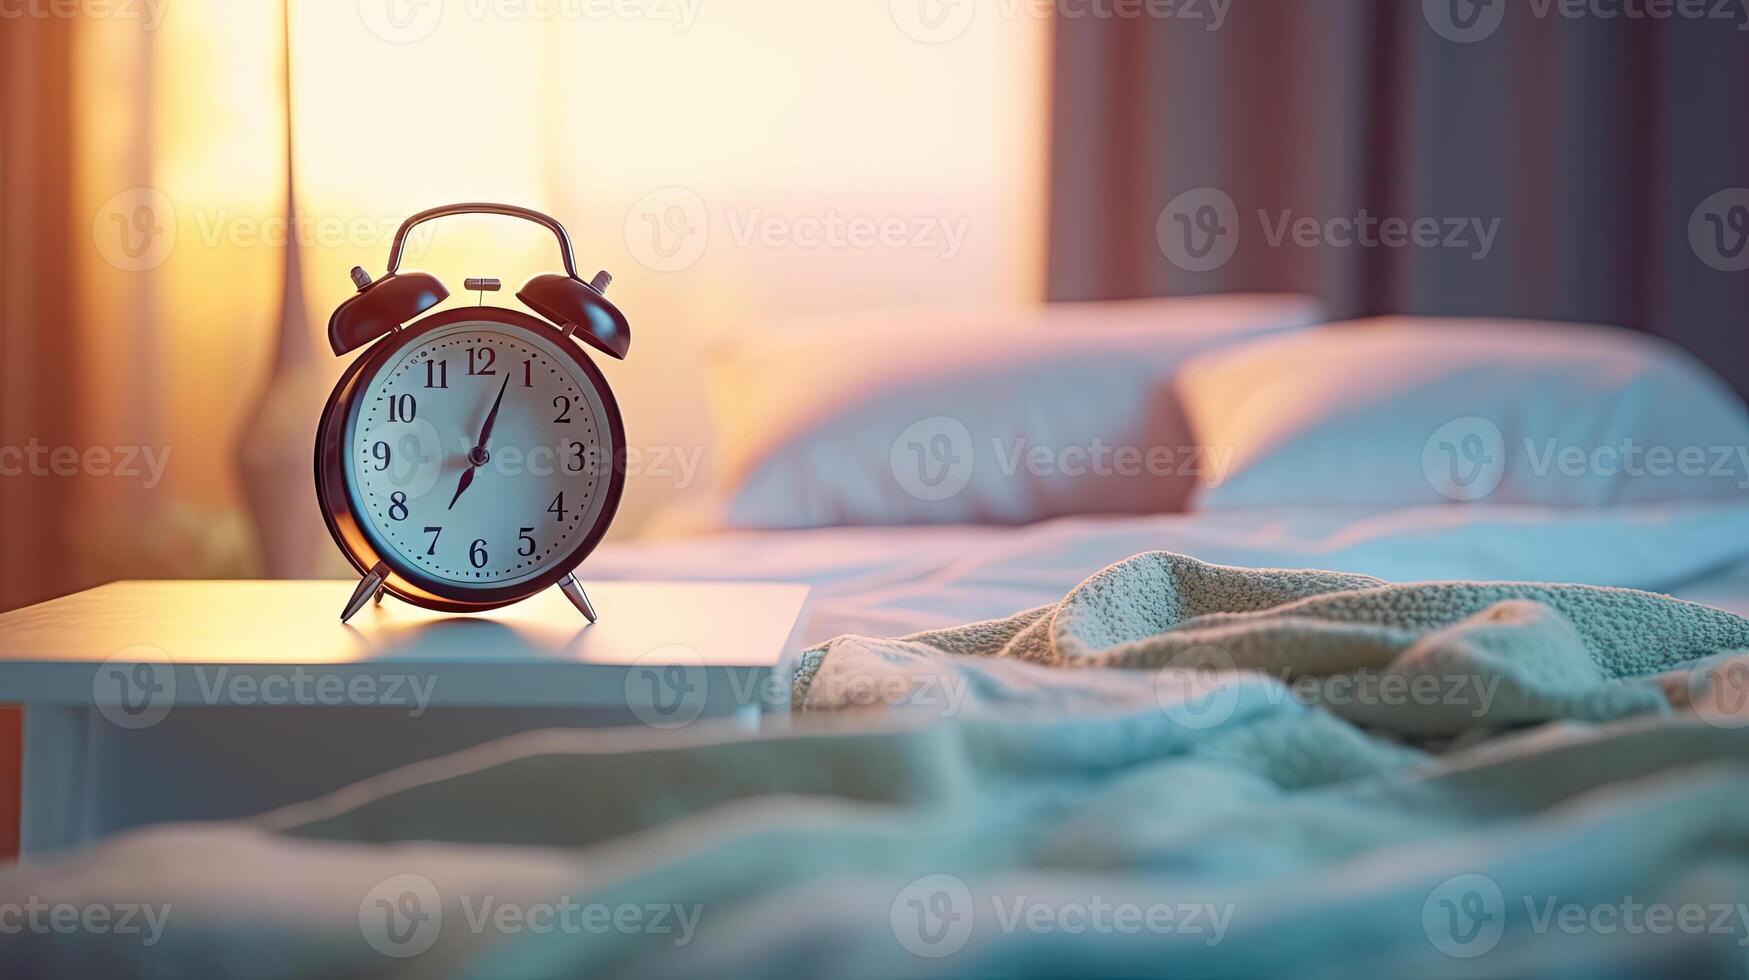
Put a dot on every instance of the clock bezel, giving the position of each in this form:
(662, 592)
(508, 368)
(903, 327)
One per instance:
(348, 529)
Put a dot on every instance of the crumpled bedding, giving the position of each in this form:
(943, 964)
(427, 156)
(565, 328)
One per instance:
(1422, 659)
(1192, 806)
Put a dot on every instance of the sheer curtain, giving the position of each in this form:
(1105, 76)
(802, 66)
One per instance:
(146, 220)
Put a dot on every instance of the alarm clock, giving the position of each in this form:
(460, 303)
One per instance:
(473, 457)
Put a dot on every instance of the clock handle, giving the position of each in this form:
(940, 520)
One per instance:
(508, 210)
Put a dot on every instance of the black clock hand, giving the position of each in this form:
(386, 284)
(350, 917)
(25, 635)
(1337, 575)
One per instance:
(467, 478)
(478, 454)
(492, 416)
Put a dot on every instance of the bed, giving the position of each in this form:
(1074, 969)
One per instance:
(980, 811)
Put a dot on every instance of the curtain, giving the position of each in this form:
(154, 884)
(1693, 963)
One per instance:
(36, 287)
(146, 219)
(136, 148)
(1607, 154)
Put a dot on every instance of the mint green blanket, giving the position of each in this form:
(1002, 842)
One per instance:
(1180, 770)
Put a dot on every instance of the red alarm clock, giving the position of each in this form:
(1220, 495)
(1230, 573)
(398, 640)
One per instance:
(473, 457)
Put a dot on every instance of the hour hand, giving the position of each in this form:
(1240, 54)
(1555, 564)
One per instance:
(467, 478)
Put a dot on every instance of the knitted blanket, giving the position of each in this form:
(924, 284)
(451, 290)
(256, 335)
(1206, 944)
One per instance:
(1425, 659)
(1294, 774)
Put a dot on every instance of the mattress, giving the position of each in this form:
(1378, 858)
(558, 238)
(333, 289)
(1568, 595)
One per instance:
(887, 581)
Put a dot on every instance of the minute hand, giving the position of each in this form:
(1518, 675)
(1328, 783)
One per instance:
(492, 416)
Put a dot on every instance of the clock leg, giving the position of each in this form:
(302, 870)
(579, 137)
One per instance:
(379, 597)
(370, 585)
(573, 590)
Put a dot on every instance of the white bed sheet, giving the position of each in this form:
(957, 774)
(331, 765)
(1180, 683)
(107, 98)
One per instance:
(891, 581)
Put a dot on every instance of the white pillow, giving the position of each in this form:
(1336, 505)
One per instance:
(1402, 411)
(999, 417)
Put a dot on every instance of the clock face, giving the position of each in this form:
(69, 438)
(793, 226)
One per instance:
(479, 456)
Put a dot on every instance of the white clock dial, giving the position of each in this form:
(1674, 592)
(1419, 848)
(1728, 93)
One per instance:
(430, 494)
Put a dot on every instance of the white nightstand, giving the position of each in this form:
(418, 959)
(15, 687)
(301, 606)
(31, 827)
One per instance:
(153, 701)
